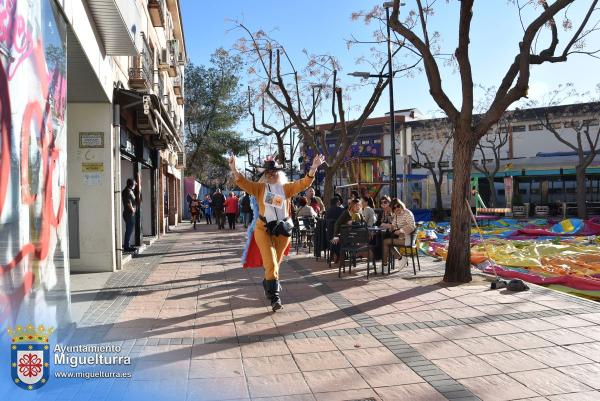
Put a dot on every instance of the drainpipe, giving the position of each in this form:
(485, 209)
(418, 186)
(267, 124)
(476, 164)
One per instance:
(117, 184)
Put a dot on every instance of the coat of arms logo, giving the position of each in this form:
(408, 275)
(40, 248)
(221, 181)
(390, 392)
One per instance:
(30, 356)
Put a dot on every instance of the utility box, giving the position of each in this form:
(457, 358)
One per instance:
(73, 219)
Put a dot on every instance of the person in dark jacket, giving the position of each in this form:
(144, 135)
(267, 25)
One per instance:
(218, 207)
(335, 209)
(246, 210)
(129, 208)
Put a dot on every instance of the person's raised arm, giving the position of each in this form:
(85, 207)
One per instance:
(250, 187)
(296, 187)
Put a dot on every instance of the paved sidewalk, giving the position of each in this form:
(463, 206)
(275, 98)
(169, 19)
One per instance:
(198, 328)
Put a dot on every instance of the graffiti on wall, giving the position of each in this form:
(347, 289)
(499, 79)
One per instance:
(34, 269)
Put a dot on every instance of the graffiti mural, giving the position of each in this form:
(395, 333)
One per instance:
(34, 269)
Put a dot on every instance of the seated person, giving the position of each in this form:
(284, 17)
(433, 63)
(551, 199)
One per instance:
(386, 215)
(335, 209)
(314, 201)
(304, 209)
(401, 226)
(351, 215)
(367, 211)
(353, 195)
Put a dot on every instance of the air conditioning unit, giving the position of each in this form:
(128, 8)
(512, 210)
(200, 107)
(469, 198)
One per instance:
(143, 123)
(180, 159)
(163, 60)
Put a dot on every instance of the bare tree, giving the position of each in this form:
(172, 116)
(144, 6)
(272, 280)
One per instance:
(513, 86)
(432, 159)
(581, 134)
(293, 97)
(489, 148)
(267, 129)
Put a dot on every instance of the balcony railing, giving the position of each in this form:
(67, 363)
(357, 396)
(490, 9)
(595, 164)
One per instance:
(141, 72)
(157, 10)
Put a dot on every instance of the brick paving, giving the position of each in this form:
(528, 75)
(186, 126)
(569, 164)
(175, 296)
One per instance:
(197, 327)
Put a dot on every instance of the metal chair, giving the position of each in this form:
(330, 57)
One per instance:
(354, 239)
(408, 249)
(305, 232)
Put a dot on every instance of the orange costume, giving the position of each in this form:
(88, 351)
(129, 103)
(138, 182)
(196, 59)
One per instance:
(273, 202)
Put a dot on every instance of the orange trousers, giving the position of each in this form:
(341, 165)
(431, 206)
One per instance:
(271, 250)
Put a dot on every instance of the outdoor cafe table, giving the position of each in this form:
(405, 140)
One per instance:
(377, 242)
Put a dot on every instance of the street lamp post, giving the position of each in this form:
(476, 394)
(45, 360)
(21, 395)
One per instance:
(393, 182)
(393, 174)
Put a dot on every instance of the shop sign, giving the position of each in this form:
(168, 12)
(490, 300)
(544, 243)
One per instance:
(92, 167)
(91, 139)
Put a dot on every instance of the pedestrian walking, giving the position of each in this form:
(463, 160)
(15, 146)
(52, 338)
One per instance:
(129, 208)
(271, 238)
(195, 209)
(231, 209)
(207, 207)
(218, 207)
(246, 210)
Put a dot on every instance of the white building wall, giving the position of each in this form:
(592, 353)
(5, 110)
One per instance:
(78, 18)
(96, 205)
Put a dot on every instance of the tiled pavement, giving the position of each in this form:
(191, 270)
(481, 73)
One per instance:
(198, 328)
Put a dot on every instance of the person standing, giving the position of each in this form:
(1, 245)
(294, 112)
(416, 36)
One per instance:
(207, 206)
(271, 236)
(195, 209)
(246, 209)
(231, 209)
(218, 206)
(129, 208)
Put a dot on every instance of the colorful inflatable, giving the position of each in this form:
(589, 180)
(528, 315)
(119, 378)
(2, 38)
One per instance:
(563, 255)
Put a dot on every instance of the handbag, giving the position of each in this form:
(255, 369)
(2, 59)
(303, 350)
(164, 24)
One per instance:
(283, 227)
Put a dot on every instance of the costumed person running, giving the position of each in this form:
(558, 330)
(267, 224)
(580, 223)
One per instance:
(273, 226)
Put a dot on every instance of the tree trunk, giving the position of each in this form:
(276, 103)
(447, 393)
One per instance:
(458, 263)
(581, 192)
(280, 150)
(328, 186)
(439, 206)
(492, 191)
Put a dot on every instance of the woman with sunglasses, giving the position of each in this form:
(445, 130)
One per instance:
(401, 226)
(386, 212)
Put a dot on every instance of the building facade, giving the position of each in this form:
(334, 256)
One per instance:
(539, 168)
(91, 94)
(367, 164)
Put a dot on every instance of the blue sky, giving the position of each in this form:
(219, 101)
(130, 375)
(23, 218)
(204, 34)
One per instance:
(322, 25)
